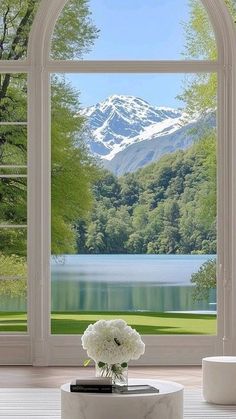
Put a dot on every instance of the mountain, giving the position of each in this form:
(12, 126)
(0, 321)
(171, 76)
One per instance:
(143, 153)
(119, 121)
(128, 133)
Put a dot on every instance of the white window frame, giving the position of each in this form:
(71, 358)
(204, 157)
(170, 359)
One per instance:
(38, 346)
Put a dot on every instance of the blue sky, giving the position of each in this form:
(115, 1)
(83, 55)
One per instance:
(138, 29)
(157, 89)
(135, 29)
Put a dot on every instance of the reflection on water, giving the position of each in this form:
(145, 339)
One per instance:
(100, 296)
(8, 303)
(122, 282)
(126, 282)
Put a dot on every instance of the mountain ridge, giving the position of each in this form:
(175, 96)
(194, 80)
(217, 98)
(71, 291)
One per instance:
(126, 132)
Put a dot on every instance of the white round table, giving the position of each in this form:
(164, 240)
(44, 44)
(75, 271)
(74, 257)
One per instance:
(219, 379)
(167, 404)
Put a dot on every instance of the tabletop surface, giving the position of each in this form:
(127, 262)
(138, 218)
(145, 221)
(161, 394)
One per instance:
(165, 387)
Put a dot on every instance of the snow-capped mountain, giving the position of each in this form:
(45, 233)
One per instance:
(145, 152)
(128, 133)
(120, 121)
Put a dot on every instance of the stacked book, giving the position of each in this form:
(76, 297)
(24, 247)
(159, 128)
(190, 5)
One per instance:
(92, 385)
(104, 385)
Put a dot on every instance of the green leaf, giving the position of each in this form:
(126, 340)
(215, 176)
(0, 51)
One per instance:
(101, 364)
(86, 362)
(124, 365)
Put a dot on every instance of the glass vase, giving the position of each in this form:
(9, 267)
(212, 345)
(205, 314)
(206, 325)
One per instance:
(118, 372)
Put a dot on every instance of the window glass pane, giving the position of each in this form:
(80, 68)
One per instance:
(13, 203)
(13, 280)
(134, 201)
(13, 241)
(13, 145)
(13, 199)
(13, 98)
(133, 30)
(13, 172)
(16, 18)
(231, 4)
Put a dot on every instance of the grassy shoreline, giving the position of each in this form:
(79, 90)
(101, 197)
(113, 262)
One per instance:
(146, 323)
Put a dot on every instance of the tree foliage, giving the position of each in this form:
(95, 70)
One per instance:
(200, 95)
(15, 24)
(204, 280)
(13, 275)
(74, 33)
(73, 171)
(162, 208)
(231, 4)
(200, 90)
(199, 36)
(73, 36)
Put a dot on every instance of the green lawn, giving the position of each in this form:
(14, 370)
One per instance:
(144, 323)
(13, 322)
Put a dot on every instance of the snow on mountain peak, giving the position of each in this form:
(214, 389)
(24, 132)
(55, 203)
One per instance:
(121, 120)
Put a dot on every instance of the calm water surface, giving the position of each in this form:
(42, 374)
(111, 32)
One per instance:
(126, 282)
(122, 282)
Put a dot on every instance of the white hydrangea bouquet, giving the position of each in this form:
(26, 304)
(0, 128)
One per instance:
(112, 344)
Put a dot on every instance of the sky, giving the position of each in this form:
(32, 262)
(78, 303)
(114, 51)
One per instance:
(157, 89)
(135, 29)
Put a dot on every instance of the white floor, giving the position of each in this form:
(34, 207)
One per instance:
(45, 404)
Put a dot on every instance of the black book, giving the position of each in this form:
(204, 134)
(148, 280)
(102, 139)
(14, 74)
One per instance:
(91, 388)
(104, 381)
(135, 389)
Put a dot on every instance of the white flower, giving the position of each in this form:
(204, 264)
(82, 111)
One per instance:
(112, 342)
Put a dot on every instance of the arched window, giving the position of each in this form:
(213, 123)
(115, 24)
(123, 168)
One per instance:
(114, 79)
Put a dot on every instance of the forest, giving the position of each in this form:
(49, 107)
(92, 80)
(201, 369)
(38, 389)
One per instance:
(168, 207)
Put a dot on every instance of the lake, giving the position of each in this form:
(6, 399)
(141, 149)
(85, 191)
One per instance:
(122, 283)
(126, 283)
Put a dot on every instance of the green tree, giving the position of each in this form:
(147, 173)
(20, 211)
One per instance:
(199, 36)
(16, 20)
(73, 171)
(136, 240)
(71, 165)
(200, 91)
(140, 218)
(95, 241)
(135, 243)
(168, 238)
(155, 228)
(107, 189)
(130, 189)
(13, 275)
(74, 33)
(231, 4)
(204, 280)
(118, 229)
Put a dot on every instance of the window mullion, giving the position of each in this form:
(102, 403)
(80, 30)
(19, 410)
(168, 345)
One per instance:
(132, 66)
